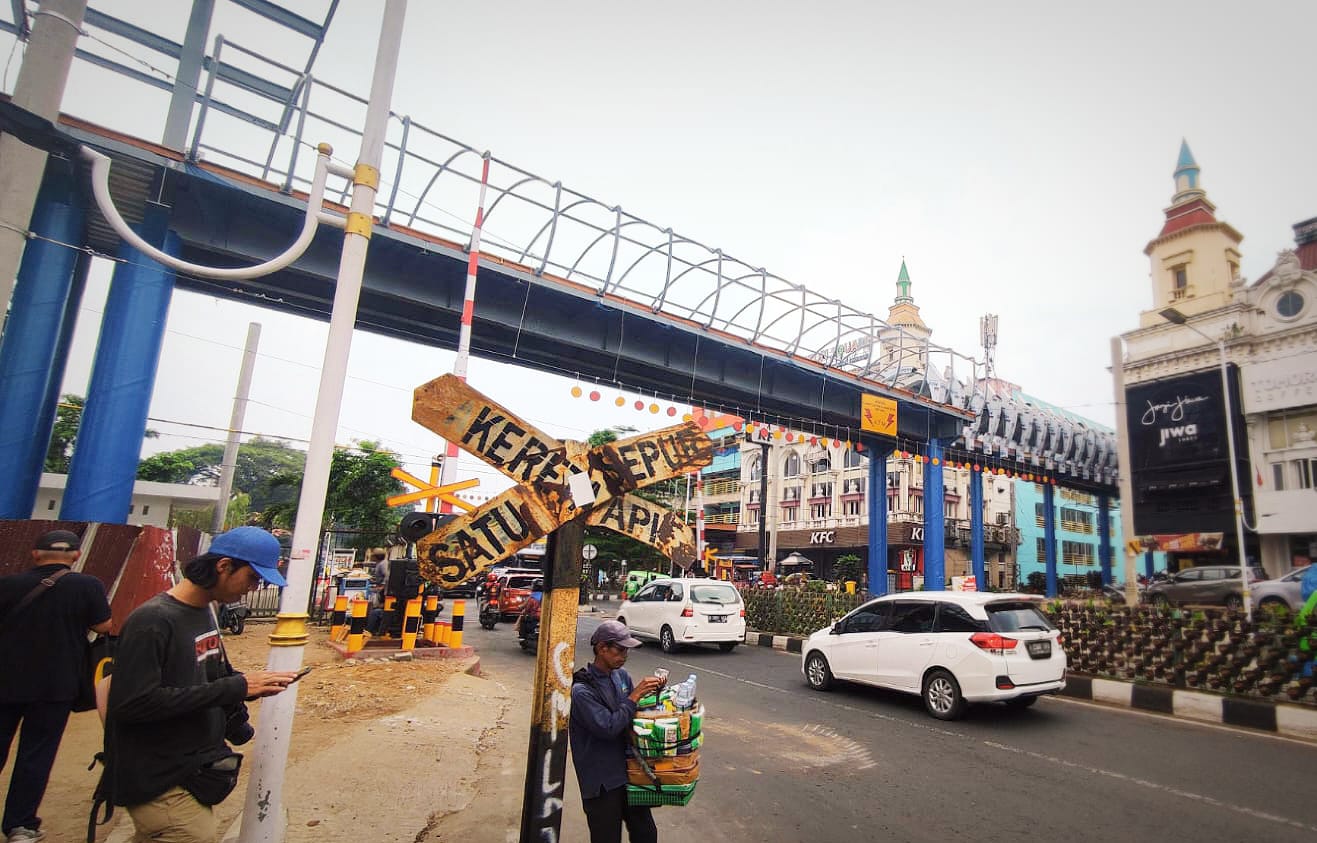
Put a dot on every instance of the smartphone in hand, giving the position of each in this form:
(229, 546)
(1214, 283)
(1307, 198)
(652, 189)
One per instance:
(303, 672)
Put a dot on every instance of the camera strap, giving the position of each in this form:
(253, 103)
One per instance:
(41, 588)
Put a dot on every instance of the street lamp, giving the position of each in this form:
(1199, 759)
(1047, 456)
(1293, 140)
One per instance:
(1175, 317)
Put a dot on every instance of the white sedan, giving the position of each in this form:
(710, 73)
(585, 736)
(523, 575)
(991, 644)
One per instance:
(951, 648)
(686, 611)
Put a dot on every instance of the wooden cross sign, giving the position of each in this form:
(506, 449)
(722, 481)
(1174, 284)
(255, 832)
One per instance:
(559, 482)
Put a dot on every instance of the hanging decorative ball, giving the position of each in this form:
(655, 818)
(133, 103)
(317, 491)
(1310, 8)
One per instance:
(859, 446)
(823, 442)
(918, 458)
(813, 440)
(790, 437)
(936, 461)
(686, 417)
(654, 408)
(619, 401)
(672, 411)
(978, 467)
(736, 426)
(594, 395)
(576, 392)
(777, 434)
(640, 405)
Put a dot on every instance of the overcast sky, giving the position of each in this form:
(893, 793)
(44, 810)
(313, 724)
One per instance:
(1017, 155)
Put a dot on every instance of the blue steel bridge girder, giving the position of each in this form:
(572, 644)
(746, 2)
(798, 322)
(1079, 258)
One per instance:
(413, 290)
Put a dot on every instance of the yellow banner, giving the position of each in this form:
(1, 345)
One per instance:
(877, 414)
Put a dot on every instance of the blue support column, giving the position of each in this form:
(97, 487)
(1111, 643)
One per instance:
(1148, 564)
(100, 486)
(976, 529)
(1104, 537)
(1049, 535)
(33, 349)
(935, 531)
(877, 495)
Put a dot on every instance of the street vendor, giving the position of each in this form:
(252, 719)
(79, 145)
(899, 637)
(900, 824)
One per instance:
(604, 702)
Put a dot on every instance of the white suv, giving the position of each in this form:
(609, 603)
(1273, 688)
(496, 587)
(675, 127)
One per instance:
(686, 611)
(952, 648)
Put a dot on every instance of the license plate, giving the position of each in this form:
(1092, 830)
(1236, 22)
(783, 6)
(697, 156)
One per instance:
(1040, 649)
(717, 619)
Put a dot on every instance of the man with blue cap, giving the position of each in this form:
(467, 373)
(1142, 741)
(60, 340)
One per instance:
(174, 698)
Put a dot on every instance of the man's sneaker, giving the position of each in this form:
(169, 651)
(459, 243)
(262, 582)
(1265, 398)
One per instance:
(26, 835)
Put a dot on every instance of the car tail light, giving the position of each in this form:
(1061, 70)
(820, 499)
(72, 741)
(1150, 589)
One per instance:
(743, 613)
(993, 643)
(1004, 683)
(688, 612)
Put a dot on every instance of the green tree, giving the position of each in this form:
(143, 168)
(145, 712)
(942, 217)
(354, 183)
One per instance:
(847, 568)
(614, 547)
(64, 433)
(236, 515)
(259, 464)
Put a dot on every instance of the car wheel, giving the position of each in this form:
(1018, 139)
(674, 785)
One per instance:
(1021, 702)
(668, 641)
(942, 696)
(1160, 601)
(727, 646)
(1273, 604)
(1234, 602)
(817, 672)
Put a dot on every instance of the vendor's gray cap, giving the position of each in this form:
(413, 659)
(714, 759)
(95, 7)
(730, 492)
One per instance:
(613, 632)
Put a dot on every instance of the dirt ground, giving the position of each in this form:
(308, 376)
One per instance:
(333, 698)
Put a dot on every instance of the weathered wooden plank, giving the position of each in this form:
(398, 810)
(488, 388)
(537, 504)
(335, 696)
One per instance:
(646, 521)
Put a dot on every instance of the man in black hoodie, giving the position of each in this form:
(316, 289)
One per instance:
(166, 722)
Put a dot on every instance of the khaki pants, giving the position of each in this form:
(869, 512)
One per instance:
(174, 817)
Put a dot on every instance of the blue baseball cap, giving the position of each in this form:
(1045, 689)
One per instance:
(254, 546)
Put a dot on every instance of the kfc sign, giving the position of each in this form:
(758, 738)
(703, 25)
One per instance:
(823, 537)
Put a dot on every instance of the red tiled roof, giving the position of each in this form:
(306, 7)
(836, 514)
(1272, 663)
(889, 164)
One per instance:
(1307, 255)
(1189, 214)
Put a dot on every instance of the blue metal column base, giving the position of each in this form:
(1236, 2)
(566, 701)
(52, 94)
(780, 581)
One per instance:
(877, 493)
(1104, 537)
(1049, 535)
(33, 349)
(935, 531)
(1148, 564)
(100, 486)
(976, 529)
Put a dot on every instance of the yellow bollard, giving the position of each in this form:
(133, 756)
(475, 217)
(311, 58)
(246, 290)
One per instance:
(338, 623)
(411, 623)
(428, 614)
(850, 586)
(442, 632)
(390, 603)
(357, 628)
(459, 617)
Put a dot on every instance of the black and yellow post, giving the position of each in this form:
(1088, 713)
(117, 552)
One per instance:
(411, 623)
(338, 621)
(459, 617)
(546, 764)
(390, 605)
(357, 626)
(428, 614)
(443, 630)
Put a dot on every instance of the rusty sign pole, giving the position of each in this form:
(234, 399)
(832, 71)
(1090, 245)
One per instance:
(546, 760)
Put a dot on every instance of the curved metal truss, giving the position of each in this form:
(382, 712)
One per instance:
(261, 118)
(1011, 425)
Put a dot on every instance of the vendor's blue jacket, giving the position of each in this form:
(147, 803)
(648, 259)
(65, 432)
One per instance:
(602, 711)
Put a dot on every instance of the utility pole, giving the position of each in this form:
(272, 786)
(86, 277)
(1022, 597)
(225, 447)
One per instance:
(764, 555)
(39, 88)
(230, 461)
(1125, 472)
(546, 761)
(263, 813)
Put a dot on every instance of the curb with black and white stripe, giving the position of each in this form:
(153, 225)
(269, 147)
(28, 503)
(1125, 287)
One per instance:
(1294, 721)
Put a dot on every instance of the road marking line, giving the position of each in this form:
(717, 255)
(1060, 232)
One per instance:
(1174, 791)
(1187, 721)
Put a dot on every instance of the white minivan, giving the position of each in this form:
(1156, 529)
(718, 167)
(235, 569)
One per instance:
(951, 648)
(682, 611)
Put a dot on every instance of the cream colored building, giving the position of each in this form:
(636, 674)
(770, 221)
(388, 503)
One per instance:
(152, 502)
(1269, 330)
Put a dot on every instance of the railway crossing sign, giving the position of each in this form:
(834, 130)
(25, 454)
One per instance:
(428, 491)
(560, 482)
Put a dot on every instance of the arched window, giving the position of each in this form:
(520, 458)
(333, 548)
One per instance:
(854, 459)
(754, 468)
(791, 465)
(822, 466)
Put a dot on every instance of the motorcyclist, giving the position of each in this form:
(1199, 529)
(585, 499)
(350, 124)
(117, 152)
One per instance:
(531, 608)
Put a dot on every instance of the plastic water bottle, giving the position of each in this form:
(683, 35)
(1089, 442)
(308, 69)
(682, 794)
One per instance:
(690, 681)
(684, 693)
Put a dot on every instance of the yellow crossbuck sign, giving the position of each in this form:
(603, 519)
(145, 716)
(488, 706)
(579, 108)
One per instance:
(560, 482)
(426, 491)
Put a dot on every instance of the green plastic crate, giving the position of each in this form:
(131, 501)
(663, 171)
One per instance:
(654, 797)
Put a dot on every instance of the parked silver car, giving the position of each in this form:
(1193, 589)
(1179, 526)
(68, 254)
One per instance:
(1205, 584)
(1281, 592)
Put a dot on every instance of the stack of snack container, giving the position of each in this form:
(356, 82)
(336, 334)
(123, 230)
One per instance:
(668, 730)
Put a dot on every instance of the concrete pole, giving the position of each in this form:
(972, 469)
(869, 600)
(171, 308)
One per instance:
(230, 461)
(39, 89)
(263, 812)
(188, 77)
(771, 508)
(1124, 472)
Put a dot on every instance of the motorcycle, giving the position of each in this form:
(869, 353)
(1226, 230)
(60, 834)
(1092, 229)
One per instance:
(233, 617)
(528, 635)
(489, 614)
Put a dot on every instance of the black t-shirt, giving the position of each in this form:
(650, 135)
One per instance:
(165, 717)
(42, 648)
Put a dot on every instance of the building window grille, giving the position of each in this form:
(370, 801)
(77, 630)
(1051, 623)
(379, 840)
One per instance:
(820, 510)
(791, 466)
(1077, 553)
(1303, 473)
(50, 506)
(1041, 550)
(1278, 476)
(853, 459)
(1181, 285)
(853, 507)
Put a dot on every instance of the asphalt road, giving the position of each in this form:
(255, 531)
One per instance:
(784, 763)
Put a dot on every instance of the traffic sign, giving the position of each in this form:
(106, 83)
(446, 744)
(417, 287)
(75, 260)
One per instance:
(548, 495)
(588, 552)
